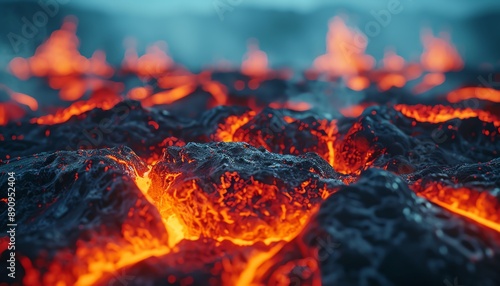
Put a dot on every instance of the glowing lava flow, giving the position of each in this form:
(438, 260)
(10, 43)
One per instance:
(479, 206)
(102, 100)
(442, 113)
(189, 212)
(174, 229)
(348, 154)
(465, 93)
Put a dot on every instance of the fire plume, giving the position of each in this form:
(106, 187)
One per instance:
(345, 49)
(439, 54)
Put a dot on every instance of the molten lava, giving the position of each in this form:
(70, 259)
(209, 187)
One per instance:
(233, 191)
(442, 113)
(479, 206)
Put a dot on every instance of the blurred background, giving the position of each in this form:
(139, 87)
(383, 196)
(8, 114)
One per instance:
(200, 33)
(208, 35)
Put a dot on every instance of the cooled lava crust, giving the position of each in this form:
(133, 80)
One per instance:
(372, 200)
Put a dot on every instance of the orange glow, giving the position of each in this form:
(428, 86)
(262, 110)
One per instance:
(104, 101)
(255, 62)
(59, 61)
(20, 68)
(233, 129)
(391, 80)
(354, 110)
(345, 49)
(139, 93)
(17, 98)
(225, 132)
(196, 214)
(180, 84)
(439, 54)
(393, 62)
(441, 113)
(476, 205)
(25, 99)
(176, 78)
(348, 154)
(154, 63)
(204, 214)
(358, 83)
(94, 258)
(217, 90)
(396, 72)
(169, 96)
(429, 81)
(351, 153)
(10, 111)
(483, 93)
(291, 105)
(260, 219)
(59, 56)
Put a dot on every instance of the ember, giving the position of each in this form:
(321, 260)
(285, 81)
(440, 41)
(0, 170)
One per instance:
(147, 172)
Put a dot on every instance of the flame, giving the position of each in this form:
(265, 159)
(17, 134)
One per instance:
(479, 206)
(59, 56)
(345, 49)
(255, 62)
(154, 63)
(65, 69)
(59, 61)
(439, 54)
(442, 113)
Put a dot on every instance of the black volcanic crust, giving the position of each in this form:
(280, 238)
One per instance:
(398, 144)
(79, 197)
(385, 235)
(208, 162)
